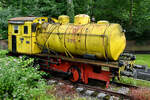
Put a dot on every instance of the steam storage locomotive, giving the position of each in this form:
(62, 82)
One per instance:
(81, 50)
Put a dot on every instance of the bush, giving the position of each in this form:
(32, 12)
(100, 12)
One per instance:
(3, 53)
(19, 80)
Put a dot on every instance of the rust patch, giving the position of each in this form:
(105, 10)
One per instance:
(22, 19)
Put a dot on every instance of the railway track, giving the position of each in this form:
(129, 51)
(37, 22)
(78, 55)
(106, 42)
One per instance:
(93, 91)
(100, 90)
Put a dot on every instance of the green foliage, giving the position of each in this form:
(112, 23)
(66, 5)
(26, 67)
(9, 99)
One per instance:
(141, 19)
(3, 22)
(133, 15)
(19, 80)
(84, 7)
(70, 10)
(6, 14)
(119, 11)
(3, 53)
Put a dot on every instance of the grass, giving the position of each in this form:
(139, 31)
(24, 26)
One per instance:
(143, 59)
(132, 81)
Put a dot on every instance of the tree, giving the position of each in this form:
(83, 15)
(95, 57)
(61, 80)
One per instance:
(133, 15)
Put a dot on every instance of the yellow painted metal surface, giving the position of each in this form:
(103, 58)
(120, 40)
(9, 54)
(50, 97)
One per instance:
(23, 41)
(63, 19)
(81, 19)
(54, 20)
(103, 22)
(105, 41)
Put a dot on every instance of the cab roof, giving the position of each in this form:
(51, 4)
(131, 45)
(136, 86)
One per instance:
(23, 19)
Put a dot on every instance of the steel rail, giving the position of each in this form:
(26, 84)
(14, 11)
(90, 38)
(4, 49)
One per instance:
(98, 89)
(93, 88)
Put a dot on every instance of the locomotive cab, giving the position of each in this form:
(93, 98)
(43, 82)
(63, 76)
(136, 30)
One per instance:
(22, 34)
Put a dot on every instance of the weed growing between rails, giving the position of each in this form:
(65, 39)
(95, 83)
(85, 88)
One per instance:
(140, 94)
(132, 81)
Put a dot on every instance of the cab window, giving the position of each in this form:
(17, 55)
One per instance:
(16, 29)
(25, 29)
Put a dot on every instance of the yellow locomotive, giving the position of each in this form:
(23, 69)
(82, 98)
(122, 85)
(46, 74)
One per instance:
(80, 49)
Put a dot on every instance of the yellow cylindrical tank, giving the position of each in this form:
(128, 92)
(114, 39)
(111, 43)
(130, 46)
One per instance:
(105, 41)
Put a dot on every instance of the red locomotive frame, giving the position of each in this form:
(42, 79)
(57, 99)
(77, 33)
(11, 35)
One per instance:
(78, 71)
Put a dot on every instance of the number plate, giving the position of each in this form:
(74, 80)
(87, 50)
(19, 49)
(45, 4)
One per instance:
(105, 68)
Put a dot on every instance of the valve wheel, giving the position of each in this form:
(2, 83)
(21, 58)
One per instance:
(74, 74)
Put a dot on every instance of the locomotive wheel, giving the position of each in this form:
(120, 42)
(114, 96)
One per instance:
(74, 74)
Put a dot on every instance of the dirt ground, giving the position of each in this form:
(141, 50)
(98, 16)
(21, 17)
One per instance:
(3, 44)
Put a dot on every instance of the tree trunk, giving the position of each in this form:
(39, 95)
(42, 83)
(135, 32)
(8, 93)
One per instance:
(90, 7)
(70, 10)
(131, 13)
